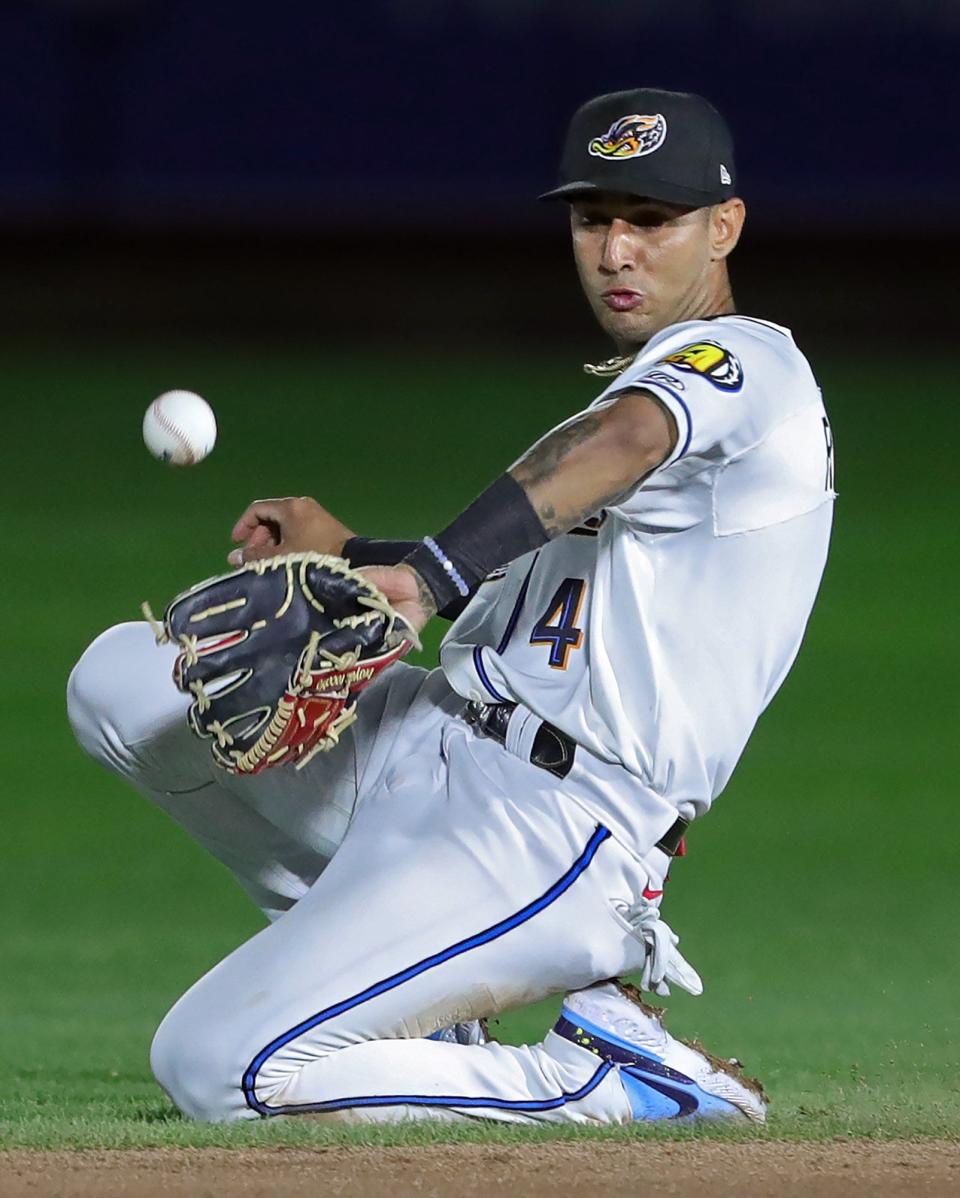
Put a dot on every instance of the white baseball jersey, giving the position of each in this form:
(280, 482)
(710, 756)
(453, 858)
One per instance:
(657, 634)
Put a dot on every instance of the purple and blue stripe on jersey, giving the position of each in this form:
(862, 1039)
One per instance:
(478, 662)
(484, 676)
(656, 384)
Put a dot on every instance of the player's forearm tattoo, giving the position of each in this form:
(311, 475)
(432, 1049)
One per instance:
(540, 464)
(556, 523)
(564, 502)
(425, 596)
(541, 461)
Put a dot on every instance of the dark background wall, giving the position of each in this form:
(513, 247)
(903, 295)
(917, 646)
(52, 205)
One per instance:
(191, 111)
(307, 169)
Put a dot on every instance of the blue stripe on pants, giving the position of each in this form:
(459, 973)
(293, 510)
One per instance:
(499, 1104)
(494, 932)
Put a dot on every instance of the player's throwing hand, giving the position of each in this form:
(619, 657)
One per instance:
(291, 525)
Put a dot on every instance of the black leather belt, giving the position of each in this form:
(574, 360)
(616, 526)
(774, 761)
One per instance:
(552, 750)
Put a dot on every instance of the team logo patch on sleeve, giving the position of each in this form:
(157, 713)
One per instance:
(715, 363)
(631, 137)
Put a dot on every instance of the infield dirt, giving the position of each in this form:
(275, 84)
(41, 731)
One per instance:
(900, 1169)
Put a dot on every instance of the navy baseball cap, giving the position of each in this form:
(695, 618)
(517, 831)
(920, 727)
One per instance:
(670, 146)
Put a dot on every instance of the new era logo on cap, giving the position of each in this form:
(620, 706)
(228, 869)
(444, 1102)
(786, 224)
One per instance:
(630, 137)
(725, 175)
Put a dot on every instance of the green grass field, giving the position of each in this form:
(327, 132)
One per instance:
(819, 900)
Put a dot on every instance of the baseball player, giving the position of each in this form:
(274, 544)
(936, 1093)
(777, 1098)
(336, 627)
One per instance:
(627, 598)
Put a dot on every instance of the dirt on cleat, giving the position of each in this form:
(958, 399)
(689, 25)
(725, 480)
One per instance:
(731, 1066)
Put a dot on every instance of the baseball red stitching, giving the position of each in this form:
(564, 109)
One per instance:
(174, 430)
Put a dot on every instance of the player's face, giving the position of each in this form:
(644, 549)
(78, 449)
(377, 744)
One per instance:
(643, 264)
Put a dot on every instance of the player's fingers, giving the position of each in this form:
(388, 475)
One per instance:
(262, 536)
(244, 526)
(259, 512)
(238, 557)
(261, 543)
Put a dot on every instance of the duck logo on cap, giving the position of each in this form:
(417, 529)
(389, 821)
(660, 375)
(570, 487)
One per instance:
(631, 137)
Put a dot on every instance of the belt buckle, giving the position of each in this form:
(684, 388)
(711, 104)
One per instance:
(473, 713)
(478, 715)
(489, 719)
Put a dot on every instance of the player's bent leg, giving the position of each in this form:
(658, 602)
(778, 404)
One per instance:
(275, 832)
(127, 714)
(448, 900)
(121, 702)
(318, 1012)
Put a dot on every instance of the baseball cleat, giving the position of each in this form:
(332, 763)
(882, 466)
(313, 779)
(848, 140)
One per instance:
(663, 1078)
(472, 1032)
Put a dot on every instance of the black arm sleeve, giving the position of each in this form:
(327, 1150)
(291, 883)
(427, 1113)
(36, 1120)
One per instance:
(499, 526)
(365, 551)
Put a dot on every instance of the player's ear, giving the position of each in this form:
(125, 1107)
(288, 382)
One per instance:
(726, 224)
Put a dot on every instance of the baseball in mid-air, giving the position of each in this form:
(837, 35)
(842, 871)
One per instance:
(180, 428)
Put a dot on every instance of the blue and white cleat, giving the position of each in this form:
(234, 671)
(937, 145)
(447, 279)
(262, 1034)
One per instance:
(662, 1077)
(472, 1032)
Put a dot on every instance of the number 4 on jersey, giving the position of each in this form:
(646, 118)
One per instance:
(557, 627)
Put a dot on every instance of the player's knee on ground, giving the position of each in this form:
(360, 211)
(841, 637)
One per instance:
(202, 1063)
(194, 1064)
(119, 691)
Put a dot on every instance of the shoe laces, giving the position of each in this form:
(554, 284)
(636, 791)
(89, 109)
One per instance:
(664, 962)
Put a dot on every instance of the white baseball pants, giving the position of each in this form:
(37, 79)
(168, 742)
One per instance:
(416, 876)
